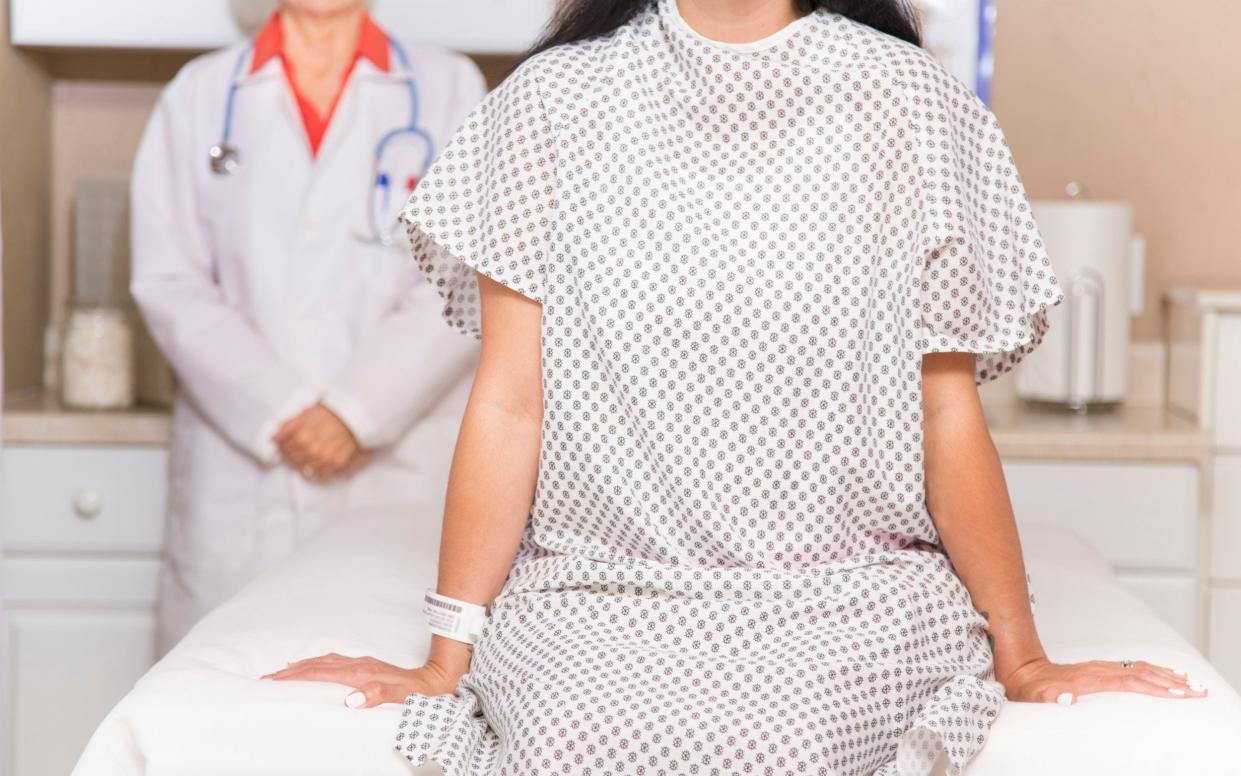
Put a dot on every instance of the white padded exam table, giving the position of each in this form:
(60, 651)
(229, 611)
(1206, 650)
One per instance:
(355, 589)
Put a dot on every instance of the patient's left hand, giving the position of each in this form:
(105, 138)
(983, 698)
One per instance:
(374, 681)
(1044, 681)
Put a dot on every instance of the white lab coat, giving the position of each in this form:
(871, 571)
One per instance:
(264, 301)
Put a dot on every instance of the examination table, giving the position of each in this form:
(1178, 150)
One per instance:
(356, 589)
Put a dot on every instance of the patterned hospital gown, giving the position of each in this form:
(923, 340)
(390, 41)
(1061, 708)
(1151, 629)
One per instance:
(741, 252)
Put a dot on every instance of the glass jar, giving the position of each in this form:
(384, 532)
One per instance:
(97, 358)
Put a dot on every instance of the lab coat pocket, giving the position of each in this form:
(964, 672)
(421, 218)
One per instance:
(385, 272)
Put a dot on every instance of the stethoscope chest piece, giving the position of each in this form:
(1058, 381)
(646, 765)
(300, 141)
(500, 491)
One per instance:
(224, 159)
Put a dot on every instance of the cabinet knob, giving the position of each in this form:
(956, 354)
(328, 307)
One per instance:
(88, 503)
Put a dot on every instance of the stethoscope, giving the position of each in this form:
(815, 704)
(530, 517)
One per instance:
(225, 160)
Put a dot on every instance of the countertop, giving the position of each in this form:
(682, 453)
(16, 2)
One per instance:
(1020, 431)
(1123, 433)
(38, 418)
(1221, 298)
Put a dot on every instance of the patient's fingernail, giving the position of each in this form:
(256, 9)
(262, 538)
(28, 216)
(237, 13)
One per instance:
(1176, 691)
(355, 699)
(1065, 699)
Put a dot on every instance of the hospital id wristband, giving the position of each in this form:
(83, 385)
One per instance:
(453, 619)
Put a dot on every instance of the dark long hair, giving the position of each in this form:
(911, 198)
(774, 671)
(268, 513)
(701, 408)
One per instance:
(581, 19)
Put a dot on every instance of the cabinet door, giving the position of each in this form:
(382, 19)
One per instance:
(1173, 597)
(1140, 516)
(1227, 385)
(1225, 647)
(479, 26)
(1226, 511)
(67, 669)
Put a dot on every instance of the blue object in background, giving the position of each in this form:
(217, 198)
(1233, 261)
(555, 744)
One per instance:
(986, 50)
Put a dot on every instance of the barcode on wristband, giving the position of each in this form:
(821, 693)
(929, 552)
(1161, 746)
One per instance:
(443, 604)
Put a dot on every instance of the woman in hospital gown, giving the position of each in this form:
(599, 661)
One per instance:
(737, 270)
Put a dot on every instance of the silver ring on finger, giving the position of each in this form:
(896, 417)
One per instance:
(1128, 663)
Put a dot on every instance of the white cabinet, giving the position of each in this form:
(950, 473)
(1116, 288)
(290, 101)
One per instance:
(82, 499)
(1204, 382)
(477, 26)
(1141, 516)
(68, 669)
(82, 531)
(1227, 383)
(1225, 650)
(1173, 597)
(1226, 502)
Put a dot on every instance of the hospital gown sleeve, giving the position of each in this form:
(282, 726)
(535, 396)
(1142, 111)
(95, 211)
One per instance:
(409, 359)
(488, 203)
(222, 363)
(986, 281)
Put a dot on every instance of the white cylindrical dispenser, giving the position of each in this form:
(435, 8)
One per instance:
(1083, 360)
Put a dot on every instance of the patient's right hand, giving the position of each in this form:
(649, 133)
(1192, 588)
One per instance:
(375, 681)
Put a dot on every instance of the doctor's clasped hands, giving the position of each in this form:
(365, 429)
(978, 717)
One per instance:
(317, 444)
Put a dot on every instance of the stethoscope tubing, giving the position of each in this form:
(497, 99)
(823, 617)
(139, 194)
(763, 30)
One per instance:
(230, 101)
(224, 157)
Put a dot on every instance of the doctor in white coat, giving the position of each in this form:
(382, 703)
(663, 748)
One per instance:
(267, 263)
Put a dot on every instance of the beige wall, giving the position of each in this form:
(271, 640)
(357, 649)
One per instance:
(24, 162)
(96, 127)
(1140, 100)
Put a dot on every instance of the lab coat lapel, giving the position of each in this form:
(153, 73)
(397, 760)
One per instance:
(340, 179)
(277, 174)
(334, 186)
(354, 122)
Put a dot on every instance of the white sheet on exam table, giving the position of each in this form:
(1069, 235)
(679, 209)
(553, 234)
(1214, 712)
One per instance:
(355, 590)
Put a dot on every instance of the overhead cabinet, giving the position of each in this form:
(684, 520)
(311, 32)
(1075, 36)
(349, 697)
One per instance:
(475, 26)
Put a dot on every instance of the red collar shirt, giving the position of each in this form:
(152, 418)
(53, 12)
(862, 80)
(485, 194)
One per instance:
(269, 44)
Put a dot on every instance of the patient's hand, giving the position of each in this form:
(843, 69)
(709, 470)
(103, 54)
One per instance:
(1047, 682)
(374, 681)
